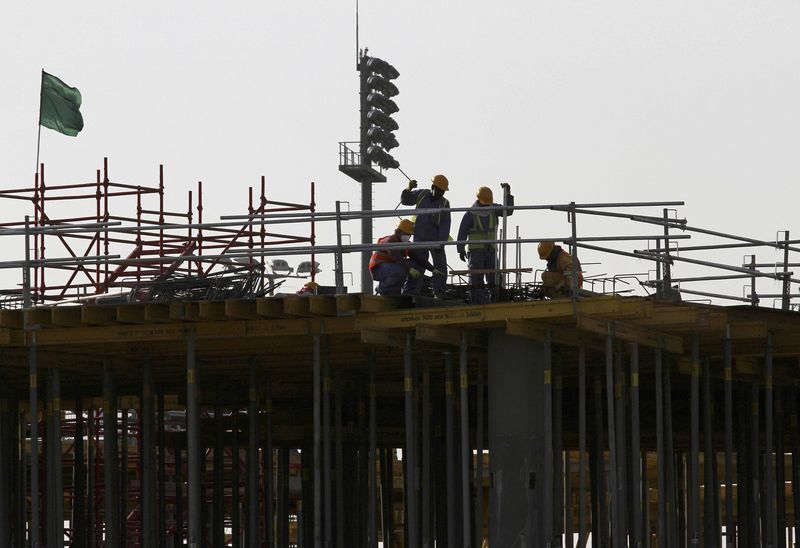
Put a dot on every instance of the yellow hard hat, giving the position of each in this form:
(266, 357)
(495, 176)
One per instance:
(440, 181)
(485, 196)
(545, 248)
(405, 226)
(311, 286)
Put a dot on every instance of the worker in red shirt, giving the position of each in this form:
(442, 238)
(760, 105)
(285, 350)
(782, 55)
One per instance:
(392, 268)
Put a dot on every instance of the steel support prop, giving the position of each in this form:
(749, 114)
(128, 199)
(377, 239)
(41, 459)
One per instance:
(35, 527)
(636, 452)
(754, 466)
(408, 455)
(614, 483)
(147, 449)
(730, 524)
(711, 535)
(547, 435)
(252, 457)
(317, 443)
(372, 538)
(771, 518)
(162, 470)
(795, 467)
(327, 466)
(427, 539)
(450, 451)
(582, 537)
(466, 453)
(269, 483)
(694, 450)
(218, 525)
(110, 466)
(780, 470)
(193, 447)
(79, 520)
(479, 465)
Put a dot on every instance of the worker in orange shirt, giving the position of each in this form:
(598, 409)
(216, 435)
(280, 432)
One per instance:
(557, 279)
(392, 268)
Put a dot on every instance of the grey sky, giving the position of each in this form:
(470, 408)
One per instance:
(584, 101)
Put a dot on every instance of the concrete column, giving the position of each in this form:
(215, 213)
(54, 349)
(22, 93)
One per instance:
(516, 391)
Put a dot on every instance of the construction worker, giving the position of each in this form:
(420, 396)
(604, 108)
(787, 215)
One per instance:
(557, 279)
(392, 268)
(429, 227)
(477, 224)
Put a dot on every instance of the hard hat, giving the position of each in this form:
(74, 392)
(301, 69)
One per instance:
(440, 181)
(545, 248)
(405, 226)
(485, 196)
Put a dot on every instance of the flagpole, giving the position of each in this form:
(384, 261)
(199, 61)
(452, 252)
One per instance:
(39, 137)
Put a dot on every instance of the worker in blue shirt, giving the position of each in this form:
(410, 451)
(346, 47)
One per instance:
(430, 227)
(482, 225)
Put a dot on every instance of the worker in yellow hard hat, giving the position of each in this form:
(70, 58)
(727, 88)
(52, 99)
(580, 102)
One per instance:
(480, 223)
(392, 268)
(557, 279)
(430, 227)
(309, 288)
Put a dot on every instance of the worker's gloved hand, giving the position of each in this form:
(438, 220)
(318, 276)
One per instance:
(412, 184)
(462, 256)
(414, 273)
(437, 272)
(505, 186)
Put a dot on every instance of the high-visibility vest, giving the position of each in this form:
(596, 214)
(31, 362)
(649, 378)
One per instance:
(382, 255)
(421, 196)
(477, 231)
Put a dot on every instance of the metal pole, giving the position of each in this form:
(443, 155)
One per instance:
(327, 483)
(466, 453)
(795, 468)
(269, 483)
(58, 476)
(408, 455)
(218, 530)
(450, 449)
(317, 443)
(769, 471)
(193, 446)
(366, 237)
(373, 452)
(162, 472)
(669, 460)
(711, 489)
(345, 466)
(123, 480)
(694, 456)
(110, 465)
(147, 450)
(780, 470)
(667, 279)
(252, 457)
(91, 470)
(613, 487)
(786, 301)
(387, 499)
(427, 539)
(636, 452)
(339, 265)
(34, 412)
(660, 450)
(479, 466)
(755, 483)
(581, 447)
(79, 500)
(730, 526)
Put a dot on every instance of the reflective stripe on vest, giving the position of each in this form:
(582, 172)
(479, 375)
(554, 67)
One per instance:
(478, 233)
(421, 196)
(382, 255)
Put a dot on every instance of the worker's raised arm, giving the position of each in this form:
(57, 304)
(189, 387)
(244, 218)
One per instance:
(410, 194)
(508, 200)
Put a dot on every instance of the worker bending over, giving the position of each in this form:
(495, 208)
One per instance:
(478, 224)
(430, 227)
(557, 279)
(392, 268)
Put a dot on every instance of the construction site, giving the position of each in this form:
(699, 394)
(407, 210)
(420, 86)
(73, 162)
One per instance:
(164, 384)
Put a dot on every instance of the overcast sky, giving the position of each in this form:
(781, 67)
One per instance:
(567, 101)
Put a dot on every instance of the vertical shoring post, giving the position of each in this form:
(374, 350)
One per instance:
(283, 465)
(408, 454)
(769, 470)
(669, 461)
(317, 443)
(79, 496)
(252, 456)
(339, 471)
(327, 484)
(755, 482)
(616, 533)
(193, 446)
(372, 541)
(218, 525)
(427, 540)
(269, 518)
(123, 479)
(479, 466)
(795, 467)
(599, 485)
(147, 450)
(780, 470)
(34, 429)
(623, 483)
(58, 476)
(581, 448)
(660, 450)
(694, 454)
(711, 490)
(178, 537)
(110, 467)
(547, 461)
(91, 515)
(162, 471)
(387, 499)
(466, 452)
(742, 472)
(450, 448)
(730, 526)
(636, 456)
(557, 468)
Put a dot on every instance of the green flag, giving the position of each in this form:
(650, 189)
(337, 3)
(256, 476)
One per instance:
(60, 105)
